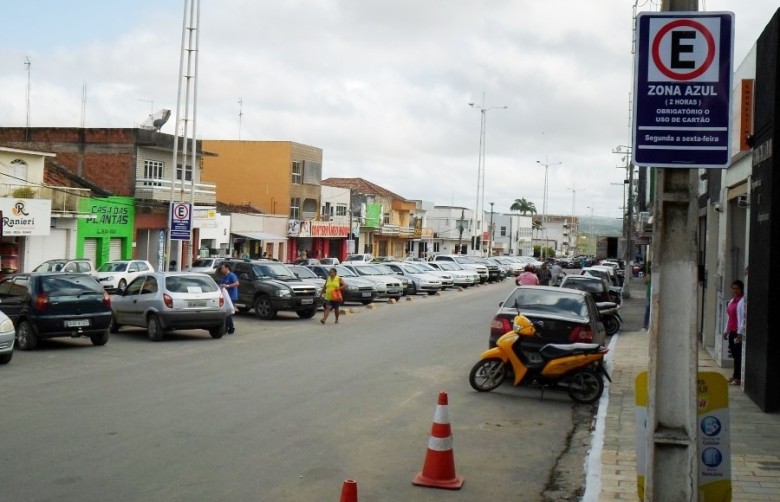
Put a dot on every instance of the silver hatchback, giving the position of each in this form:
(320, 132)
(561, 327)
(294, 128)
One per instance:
(161, 301)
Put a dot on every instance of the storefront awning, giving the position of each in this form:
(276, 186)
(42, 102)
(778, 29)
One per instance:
(260, 236)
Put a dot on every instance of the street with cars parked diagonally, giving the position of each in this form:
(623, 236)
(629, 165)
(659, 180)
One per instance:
(284, 410)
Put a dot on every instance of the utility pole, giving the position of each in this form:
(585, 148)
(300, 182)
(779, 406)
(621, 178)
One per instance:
(461, 224)
(492, 232)
(671, 431)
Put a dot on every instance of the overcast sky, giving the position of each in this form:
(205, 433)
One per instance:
(381, 86)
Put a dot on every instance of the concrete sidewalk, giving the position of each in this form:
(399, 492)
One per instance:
(755, 435)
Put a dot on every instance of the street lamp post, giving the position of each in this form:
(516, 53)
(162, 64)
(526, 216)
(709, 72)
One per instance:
(592, 231)
(546, 165)
(572, 225)
(492, 232)
(479, 209)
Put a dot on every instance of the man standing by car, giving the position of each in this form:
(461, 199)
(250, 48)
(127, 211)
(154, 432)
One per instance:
(544, 275)
(555, 272)
(229, 282)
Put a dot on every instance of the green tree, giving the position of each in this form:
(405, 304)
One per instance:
(523, 206)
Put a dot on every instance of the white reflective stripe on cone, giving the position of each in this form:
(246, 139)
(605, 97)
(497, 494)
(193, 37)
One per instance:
(440, 416)
(440, 444)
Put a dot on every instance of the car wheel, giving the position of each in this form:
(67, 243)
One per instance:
(114, 325)
(154, 328)
(25, 336)
(6, 358)
(431, 293)
(99, 338)
(264, 309)
(396, 298)
(367, 302)
(611, 325)
(218, 331)
(122, 284)
(307, 314)
(487, 374)
(243, 309)
(585, 386)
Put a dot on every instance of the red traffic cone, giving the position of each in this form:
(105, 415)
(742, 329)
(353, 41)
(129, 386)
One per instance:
(349, 491)
(439, 468)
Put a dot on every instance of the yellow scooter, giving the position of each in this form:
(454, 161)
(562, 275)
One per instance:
(577, 368)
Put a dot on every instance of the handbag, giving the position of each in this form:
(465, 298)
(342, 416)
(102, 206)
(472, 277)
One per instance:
(229, 308)
(336, 296)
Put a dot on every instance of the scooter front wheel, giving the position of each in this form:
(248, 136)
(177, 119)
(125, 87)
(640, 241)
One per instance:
(611, 325)
(585, 386)
(487, 374)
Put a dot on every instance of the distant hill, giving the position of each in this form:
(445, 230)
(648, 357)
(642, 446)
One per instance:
(601, 226)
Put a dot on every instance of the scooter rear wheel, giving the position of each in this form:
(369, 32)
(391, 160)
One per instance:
(585, 386)
(487, 374)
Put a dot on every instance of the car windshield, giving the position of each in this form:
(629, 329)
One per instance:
(344, 271)
(69, 285)
(303, 272)
(203, 262)
(385, 270)
(51, 266)
(464, 259)
(588, 286)
(369, 270)
(278, 270)
(558, 302)
(425, 267)
(190, 284)
(412, 269)
(113, 266)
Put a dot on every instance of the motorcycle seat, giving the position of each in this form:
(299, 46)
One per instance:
(553, 350)
(606, 305)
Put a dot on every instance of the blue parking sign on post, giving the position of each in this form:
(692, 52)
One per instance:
(181, 221)
(682, 93)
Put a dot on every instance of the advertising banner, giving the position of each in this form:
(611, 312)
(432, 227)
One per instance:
(26, 216)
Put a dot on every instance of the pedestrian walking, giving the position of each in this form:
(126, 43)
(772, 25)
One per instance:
(528, 277)
(544, 275)
(332, 294)
(229, 283)
(556, 274)
(735, 327)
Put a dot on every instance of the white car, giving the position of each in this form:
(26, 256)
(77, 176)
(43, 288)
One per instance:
(460, 276)
(7, 337)
(118, 274)
(206, 265)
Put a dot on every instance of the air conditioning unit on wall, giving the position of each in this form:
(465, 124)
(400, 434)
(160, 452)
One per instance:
(743, 201)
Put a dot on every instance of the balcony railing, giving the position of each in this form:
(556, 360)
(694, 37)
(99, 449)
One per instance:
(158, 189)
(63, 199)
(388, 230)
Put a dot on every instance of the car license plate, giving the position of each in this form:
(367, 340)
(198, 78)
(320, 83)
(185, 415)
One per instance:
(307, 301)
(196, 304)
(366, 294)
(78, 323)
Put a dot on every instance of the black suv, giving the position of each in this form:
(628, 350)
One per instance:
(269, 286)
(55, 304)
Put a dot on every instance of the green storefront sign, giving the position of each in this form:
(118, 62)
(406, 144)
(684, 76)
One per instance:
(111, 222)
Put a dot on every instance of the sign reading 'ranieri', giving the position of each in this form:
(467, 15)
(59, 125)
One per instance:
(682, 110)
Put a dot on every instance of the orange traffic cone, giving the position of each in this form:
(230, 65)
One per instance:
(439, 468)
(349, 491)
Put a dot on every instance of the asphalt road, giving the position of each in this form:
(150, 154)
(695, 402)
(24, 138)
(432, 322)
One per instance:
(283, 410)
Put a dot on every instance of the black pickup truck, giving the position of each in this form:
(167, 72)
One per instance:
(269, 286)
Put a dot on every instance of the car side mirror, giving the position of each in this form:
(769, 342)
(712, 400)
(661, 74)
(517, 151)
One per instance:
(120, 292)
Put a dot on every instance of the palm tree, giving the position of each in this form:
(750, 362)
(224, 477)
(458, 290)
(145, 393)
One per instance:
(523, 206)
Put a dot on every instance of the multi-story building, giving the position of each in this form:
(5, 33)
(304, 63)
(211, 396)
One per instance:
(276, 177)
(135, 165)
(386, 220)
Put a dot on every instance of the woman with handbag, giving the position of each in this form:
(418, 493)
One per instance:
(332, 295)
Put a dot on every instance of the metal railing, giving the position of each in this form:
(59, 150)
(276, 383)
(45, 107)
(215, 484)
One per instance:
(63, 199)
(159, 189)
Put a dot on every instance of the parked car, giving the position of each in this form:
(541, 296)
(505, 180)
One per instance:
(358, 289)
(269, 286)
(407, 286)
(207, 265)
(163, 301)
(329, 261)
(307, 261)
(596, 286)
(446, 278)
(514, 267)
(392, 285)
(466, 262)
(118, 274)
(306, 274)
(422, 282)
(7, 336)
(460, 276)
(568, 316)
(65, 265)
(359, 257)
(55, 304)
